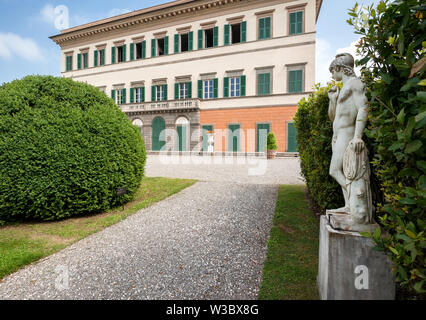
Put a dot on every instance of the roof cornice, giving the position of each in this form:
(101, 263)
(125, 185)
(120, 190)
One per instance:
(139, 17)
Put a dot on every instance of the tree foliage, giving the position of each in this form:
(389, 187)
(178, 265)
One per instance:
(65, 149)
(392, 50)
(271, 141)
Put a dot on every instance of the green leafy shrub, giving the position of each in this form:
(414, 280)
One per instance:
(271, 141)
(314, 137)
(65, 149)
(392, 48)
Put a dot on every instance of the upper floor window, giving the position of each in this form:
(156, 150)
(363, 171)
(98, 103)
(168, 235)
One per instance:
(160, 46)
(184, 42)
(183, 90)
(208, 88)
(138, 50)
(208, 38)
(235, 33)
(118, 54)
(234, 86)
(263, 84)
(264, 31)
(119, 96)
(296, 22)
(295, 83)
(159, 92)
(68, 63)
(99, 58)
(137, 95)
(82, 60)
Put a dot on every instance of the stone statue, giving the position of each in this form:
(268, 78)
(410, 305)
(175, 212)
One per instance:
(348, 110)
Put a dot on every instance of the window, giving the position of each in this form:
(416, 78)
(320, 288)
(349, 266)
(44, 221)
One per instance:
(263, 84)
(184, 42)
(140, 50)
(295, 83)
(235, 88)
(160, 44)
(296, 22)
(138, 95)
(208, 38)
(265, 28)
(99, 58)
(161, 93)
(208, 35)
(68, 63)
(236, 33)
(208, 89)
(119, 96)
(120, 51)
(184, 90)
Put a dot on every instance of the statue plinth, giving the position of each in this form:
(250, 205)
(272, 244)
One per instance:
(344, 222)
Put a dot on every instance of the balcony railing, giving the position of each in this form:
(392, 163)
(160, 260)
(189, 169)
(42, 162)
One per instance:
(161, 105)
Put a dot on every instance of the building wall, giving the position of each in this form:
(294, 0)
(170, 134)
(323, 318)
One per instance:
(248, 118)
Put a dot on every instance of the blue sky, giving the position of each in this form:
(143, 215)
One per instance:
(25, 27)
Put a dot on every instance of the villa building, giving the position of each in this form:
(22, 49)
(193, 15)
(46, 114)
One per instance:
(224, 71)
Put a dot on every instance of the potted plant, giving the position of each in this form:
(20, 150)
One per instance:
(271, 146)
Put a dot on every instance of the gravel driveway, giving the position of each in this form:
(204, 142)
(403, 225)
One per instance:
(207, 242)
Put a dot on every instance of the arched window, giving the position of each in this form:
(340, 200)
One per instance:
(182, 128)
(138, 123)
(158, 126)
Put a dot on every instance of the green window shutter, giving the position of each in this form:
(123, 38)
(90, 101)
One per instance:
(200, 89)
(79, 61)
(260, 84)
(244, 31)
(299, 26)
(227, 40)
(166, 45)
(113, 95)
(243, 86)
(153, 93)
(267, 83)
(190, 90)
(143, 94)
(191, 41)
(144, 49)
(293, 23)
(226, 87)
(215, 36)
(95, 58)
(123, 96)
(86, 60)
(292, 85)
(261, 29)
(153, 49)
(215, 88)
(166, 95)
(176, 43)
(112, 55)
(267, 27)
(124, 53)
(176, 91)
(200, 39)
(102, 57)
(132, 51)
(132, 95)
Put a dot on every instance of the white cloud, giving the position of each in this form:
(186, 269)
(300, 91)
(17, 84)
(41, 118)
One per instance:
(325, 55)
(12, 45)
(47, 14)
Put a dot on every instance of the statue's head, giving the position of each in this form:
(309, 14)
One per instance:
(343, 64)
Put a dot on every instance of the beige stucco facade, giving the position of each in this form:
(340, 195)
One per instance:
(278, 55)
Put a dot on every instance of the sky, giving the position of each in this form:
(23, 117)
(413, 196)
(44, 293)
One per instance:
(26, 25)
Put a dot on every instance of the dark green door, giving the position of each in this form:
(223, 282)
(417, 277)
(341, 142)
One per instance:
(234, 138)
(206, 129)
(262, 136)
(292, 138)
(181, 131)
(158, 140)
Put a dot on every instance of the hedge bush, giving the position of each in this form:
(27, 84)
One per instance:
(314, 137)
(392, 47)
(65, 149)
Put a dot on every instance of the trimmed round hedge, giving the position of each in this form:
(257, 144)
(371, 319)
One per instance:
(65, 149)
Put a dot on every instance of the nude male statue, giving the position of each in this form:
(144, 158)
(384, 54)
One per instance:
(348, 112)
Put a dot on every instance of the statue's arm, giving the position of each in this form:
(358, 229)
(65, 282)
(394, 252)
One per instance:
(332, 94)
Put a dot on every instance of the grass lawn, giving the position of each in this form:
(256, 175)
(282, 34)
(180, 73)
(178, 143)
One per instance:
(291, 265)
(23, 243)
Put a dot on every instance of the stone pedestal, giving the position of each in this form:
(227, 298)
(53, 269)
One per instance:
(350, 269)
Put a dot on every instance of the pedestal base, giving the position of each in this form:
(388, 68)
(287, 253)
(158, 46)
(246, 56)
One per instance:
(350, 269)
(342, 221)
